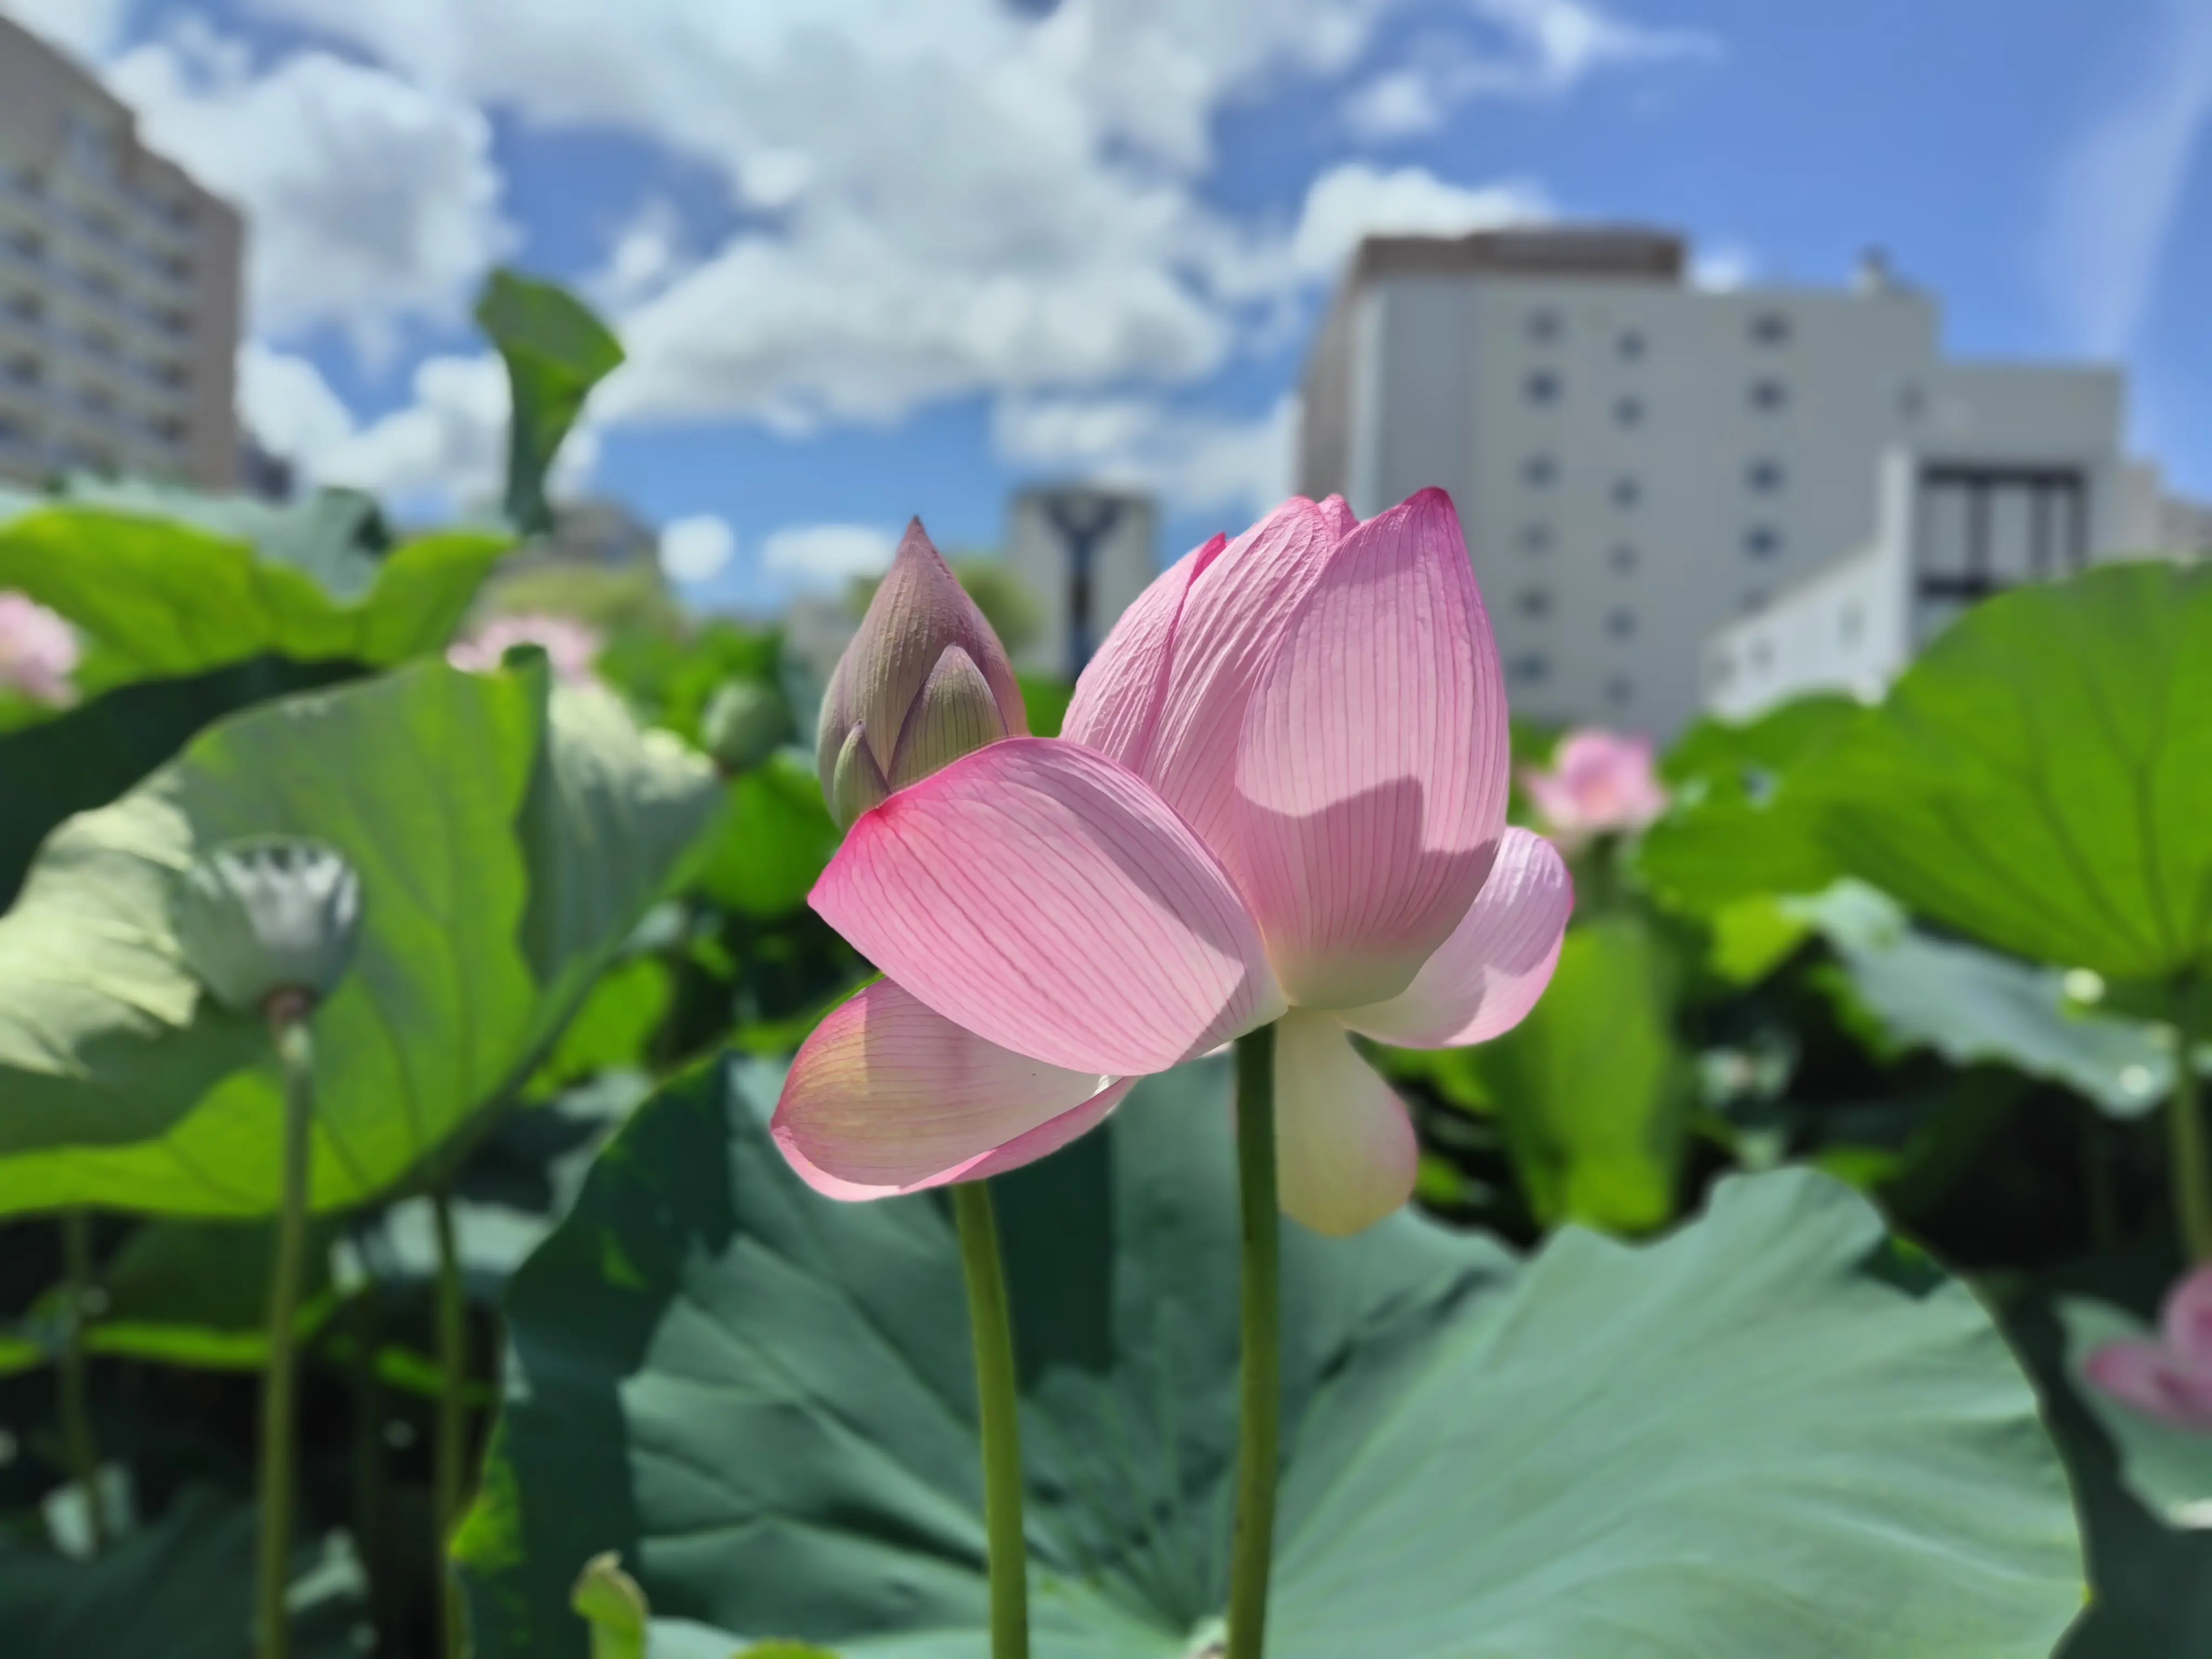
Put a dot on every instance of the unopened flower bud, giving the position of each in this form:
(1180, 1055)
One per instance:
(743, 725)
(257, 918)
(924, 682)
(611, 1602)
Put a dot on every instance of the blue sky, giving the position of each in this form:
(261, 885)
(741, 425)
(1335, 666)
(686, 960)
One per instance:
(875, 258)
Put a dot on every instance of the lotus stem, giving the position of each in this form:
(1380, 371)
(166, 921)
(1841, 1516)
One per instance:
(2192, 1173)
(295, 1051)
(78, 1440)
(990, 1326)
(1252, 1546)
(452, 1425)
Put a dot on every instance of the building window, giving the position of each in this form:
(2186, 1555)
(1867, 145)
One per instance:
(1624, 557)
(1529, 669)
(1535, 538)
(1762, 541)
(1535, 602)
(1544, 326)
(1621, 622)
(1764, 475)
(1769, 395)
(1620, 691)
(1770, 328)
(1626, 492)
(1630, 345)
(1539, 470)
(1541, 387)
(1629, 411)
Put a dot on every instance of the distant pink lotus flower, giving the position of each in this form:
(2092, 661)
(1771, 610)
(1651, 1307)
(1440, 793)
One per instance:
(570, 646)
(1280, 796)
(1601, 782)
(38, 650)
(2169, 1378)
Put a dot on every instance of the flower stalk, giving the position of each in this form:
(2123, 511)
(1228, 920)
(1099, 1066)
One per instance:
(2192, 1168)
(288, 1012)
(1252, 1546)
(450, 1448)
(991, 1327)
(77, 1439)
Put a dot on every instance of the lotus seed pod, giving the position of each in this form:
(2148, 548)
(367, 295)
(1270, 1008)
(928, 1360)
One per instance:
(743, 725)
(919, 615)
(257, 918)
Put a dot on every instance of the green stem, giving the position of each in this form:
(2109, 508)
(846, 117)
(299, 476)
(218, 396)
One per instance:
(1252, 1547)
(990, 1326)
(2192, 1172)
(288, 1025)
(77, 1408)
(368, 1474)
(452, 1425)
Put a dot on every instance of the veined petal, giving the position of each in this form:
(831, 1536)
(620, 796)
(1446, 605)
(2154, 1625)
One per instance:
(1344, 1150)
(1337, 514)
(2153, 1379)
(1040, 896)
(1483, 979)
(885, 1097)
(1372, 771)
(1117, 699)
(2186, 1319)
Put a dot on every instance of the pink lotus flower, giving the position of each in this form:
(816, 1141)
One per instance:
(38, 650)
(571, 646)
(2169, 1378)
(1599, 782)
(1280, 796)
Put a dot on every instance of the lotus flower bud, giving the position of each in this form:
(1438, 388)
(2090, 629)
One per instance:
(743, 724)
(609, 1601)
(924, 682)
(38, 650)
(257, 919)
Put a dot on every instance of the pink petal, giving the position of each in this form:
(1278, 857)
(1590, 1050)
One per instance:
(885, 1097)
(1041, 896)
(1117, 700)
(2187, 1319)
(1345, 1151)
(1372, 772)
(1234, 609)
(2153, 1380)
(1483, 981)
(1338, 515)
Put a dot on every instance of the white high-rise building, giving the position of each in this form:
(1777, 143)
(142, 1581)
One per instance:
(1638, 462)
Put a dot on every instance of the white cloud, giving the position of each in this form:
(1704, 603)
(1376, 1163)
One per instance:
(2122, 181)
(1537, 49)
(823, 555)
(87, 28)
(1353, 200)
(1723, 266)
(1200, 463)
(372, 202)
(694, 548)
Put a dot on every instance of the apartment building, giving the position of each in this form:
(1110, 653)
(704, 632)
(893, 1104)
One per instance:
(1640, 462)
(119, 290)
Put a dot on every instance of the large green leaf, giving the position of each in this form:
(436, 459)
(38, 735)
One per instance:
(775, 842)
(334, 534)
(2042, 776)
(1971, 1004)
(555, 351)
(1592, 1088)
(161, 599)
(1762, 1437)
(2168, 1469)
(508, 843)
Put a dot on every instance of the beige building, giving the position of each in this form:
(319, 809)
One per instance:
(119, 290)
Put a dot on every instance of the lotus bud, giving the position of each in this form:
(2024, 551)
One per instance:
(924, 682)
(743, 725)
(263, 919)
(609, 1601)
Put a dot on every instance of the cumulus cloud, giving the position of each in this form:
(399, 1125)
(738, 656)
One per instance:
(694, 548)
(826, 556)
(373, 202)
(88, 28)
(2121, 182)
(1354, 200)
(1235, 466)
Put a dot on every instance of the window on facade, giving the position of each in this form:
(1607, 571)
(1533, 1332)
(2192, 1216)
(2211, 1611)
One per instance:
(1769, 395)
(1621, 622)
(1762, 541)
(1764, 475)
(1541, 387)
(1544, 325)
(1535, 538)
(1535, 602)
(1530, 668)
(1629, 411)
(1630, 345)
(1539, 470)
(1626, 492)
(1770, 328)
(1623, 558)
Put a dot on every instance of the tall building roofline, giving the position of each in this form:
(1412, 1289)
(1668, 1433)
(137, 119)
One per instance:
(1635, 253)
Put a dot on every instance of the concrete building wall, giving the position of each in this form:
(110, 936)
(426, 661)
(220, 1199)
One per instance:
(119, 288)
(1086, 553)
